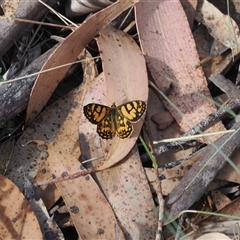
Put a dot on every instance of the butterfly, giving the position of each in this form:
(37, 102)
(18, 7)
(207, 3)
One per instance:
(115, 120)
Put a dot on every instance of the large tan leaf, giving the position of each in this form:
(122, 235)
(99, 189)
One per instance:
(91, 220)
(127, 189)
(125, 79)
(68, 52)
(17, 220)
(91, 213)
(171, 55)
(64, 105)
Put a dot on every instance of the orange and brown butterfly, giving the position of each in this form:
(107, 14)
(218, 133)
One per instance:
(115, 120)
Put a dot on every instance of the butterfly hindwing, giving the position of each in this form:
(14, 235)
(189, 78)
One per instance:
(124, 128)
(105, 128)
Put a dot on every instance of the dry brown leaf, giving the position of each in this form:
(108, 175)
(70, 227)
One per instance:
(121, 182)
(67, 52)
(127, 189)
(171, 177)
(17, 220)
(174, 60)
(228, 173)
(222, 27)
(9, 8)
(90, 72)
(125, 79)
(91, 213)
(210, 64)
(230, 210)
(219, 199)
(6, 149)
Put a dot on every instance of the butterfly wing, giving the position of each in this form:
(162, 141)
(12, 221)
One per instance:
(124, 128)
(95, 113)
(132, 111)
(105, 128)
(115, 120)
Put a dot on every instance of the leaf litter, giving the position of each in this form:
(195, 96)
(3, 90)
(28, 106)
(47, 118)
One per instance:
(120, 190)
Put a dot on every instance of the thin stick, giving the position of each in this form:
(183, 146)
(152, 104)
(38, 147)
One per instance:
(65, 178)
(44, 24)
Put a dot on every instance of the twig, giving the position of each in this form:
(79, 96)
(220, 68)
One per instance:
(65, 177)
(159, 234)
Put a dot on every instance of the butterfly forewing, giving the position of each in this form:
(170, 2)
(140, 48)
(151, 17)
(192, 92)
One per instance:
(95, 113)
(133, 111)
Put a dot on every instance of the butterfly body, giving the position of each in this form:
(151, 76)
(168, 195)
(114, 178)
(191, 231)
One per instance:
(115, 120)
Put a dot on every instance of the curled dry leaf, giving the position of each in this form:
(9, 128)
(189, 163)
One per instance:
(172, 59)
(125, 79)
(210, 64)
(77, 8)
(222, 27)
(17, 220)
